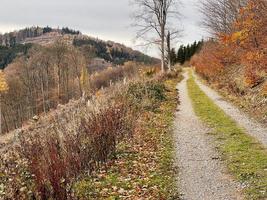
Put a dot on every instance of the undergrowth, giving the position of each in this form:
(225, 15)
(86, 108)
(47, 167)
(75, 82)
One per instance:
(116, 144)
(246, 158)
(142, 168)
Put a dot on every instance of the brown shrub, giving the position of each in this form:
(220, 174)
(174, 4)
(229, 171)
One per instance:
(111, 75)
(77, 138)
(57, 155)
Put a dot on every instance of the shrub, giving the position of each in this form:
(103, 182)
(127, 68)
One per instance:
(113, 74)
(58, 154)
(146, 95)
(74, 139)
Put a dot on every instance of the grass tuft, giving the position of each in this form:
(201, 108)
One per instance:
(246, 158)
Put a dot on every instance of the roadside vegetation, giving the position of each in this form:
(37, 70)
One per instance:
(119, 140)
(245, 157)
(143, 165)
(51, 76)
(235, 61)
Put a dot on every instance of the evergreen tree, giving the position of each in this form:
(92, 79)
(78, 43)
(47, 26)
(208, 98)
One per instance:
(185, 53)
(173, 57)
(180, 55)
(47, 29)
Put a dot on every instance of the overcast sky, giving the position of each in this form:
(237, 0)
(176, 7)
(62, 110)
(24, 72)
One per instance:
(105, 19)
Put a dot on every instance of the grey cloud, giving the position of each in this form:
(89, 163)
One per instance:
(109, 19)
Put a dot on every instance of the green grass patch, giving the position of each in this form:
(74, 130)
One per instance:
(245, 157)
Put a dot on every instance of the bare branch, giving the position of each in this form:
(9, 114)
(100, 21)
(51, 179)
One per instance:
(153, 17)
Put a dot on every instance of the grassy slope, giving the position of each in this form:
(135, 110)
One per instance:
(246, 158)
(143, 165)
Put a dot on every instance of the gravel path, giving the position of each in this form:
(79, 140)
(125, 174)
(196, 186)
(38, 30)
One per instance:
(252, 127)
(202, 175)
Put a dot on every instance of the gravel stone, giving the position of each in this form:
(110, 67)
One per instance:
(202, 173)
(253, 128)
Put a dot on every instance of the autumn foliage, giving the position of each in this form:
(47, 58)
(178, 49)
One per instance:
(212, 59)
(3, 83)
(245, 45)
(51, 76)
(78, 138)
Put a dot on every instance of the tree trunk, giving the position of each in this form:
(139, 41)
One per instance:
(162, 50)
(6, 124)
(169, 50)
(169, 63)
(58, 85)
(43, 93)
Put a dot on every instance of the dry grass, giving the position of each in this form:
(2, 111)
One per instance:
(78, 138)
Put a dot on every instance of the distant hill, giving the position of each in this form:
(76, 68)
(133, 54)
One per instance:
(8, 54)
(25, 35)
(112, 51)
(19, 42)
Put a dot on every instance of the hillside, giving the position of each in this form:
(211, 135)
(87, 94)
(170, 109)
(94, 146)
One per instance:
(16, 43)
(45, 67)
(83, 118)
(25, 35)
(8, 54)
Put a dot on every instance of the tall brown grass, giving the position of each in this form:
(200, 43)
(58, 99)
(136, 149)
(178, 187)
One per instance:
(75, 139)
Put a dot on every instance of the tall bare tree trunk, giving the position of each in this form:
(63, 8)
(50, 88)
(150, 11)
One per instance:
(43, 94)
(47, 88)
(162, 49)
(58, 84)
(169, 50)
(6, 124)
(154, 15)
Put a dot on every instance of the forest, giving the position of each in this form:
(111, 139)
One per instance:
(185, 53)
(16, 37)
(42, 77)
(112, 52)
(8, 54)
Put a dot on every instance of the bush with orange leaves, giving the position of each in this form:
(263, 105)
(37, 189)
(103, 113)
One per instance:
(235, 61)
(212, 59)
(245, 46)
(249, 38)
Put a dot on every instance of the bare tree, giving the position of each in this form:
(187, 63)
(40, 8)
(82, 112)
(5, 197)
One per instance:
(219, 15)
(78, 62)
(156, 15)
(60, 50)
(51, 75)
(169, 50)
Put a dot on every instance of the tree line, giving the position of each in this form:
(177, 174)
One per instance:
(47, 76)
(8, 54)
(16, 37)
(185, 53)
(112, 52)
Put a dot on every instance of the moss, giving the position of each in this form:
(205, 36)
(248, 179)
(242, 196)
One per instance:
(245, 157)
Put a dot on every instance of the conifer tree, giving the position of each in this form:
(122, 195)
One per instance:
(185, 53)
